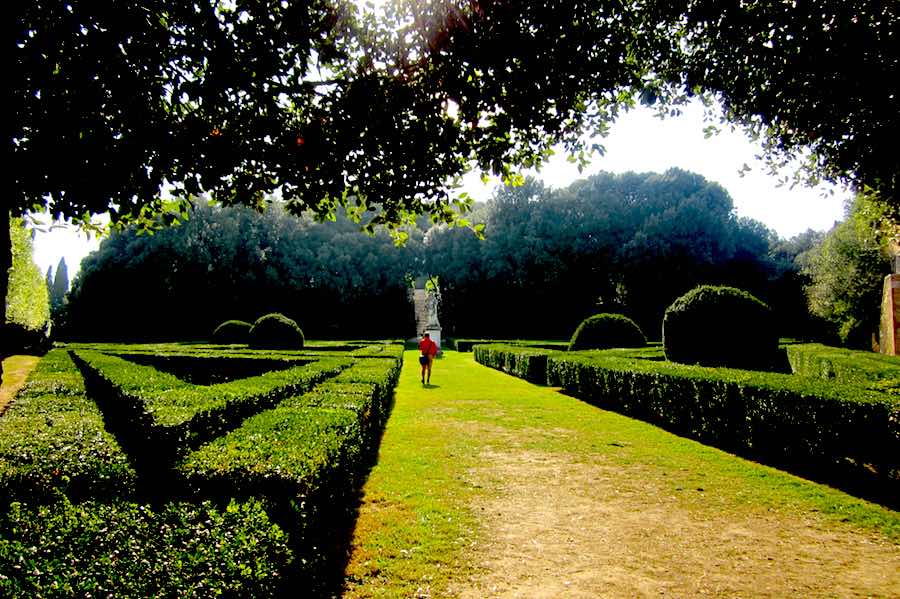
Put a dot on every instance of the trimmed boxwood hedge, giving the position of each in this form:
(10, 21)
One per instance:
(53, 440)
(276, 331)
(95, 549)
(295, 467)
(232, 332)
(720, 326)
(603, 331)
(466, 345)
(163, 416)
(522, 362)
(304, 457)
(775, 416)
(873, 371)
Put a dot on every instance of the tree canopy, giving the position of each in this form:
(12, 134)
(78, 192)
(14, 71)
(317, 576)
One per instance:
(627, 243)
(846, 272)
(233, 263)
(328, 106)
(622, 243)
(27, 303)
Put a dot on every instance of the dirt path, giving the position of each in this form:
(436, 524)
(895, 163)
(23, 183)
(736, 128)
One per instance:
(561, 499)
(564, 529)
(15, 371)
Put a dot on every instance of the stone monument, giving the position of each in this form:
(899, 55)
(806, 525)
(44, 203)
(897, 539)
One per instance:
(889, 339)
(433, 327)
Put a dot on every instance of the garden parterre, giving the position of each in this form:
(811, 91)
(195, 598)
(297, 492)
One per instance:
(792, 419)
(99, 435)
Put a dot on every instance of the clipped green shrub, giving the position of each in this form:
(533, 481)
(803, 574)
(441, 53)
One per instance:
(720, 326)
(869, 370)
(162, 416)
(232, 331)
(603, 331)
(276, 331)
(53, 440)
(466, 345)
(776, 417)
(522, 362)
(123, 549)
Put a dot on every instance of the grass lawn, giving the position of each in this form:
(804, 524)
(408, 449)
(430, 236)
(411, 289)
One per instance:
(434, 504)
(15, 371)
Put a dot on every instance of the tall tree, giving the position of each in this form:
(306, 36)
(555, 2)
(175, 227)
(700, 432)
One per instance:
(59, 287)
(27, 302)
(626, 243)
(846, 271)
(231, 262)
(113, 99)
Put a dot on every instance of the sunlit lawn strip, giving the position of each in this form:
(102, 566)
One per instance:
(781, 416)
(420, 517)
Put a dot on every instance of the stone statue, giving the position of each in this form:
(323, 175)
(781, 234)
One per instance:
(431, 302)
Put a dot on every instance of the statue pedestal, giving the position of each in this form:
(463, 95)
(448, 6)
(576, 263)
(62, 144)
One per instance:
(889, 341)
(435, 332)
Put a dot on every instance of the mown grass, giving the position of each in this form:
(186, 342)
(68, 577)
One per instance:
(418, 519)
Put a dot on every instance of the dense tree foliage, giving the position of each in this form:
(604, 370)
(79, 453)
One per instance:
(233, 263)
(333, 108)
(819, 81)
(627, 243)
(27, 303)
(846, 272)
(58, 285)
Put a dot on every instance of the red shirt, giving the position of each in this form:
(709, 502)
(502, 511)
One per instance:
(428, 347)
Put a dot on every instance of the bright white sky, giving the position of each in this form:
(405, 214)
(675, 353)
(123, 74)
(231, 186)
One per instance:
(638, 142)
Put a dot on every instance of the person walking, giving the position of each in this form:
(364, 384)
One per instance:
(429, 350)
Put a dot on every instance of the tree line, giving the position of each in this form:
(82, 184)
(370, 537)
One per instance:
(234, 263)
(242, 99)
(628, 243)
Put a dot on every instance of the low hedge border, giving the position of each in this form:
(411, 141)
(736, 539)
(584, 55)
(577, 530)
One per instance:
(53, 440)
(522, 362)
(305, 457)
(784, 418)
(123, 549)
(206, 370)
(160, 417)
(300, 463)
(392, 351)
(866, 369)
(467, 345)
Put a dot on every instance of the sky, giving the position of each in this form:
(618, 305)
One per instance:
(640, 142)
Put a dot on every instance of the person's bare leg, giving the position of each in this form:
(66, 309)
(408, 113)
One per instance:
(430, 361)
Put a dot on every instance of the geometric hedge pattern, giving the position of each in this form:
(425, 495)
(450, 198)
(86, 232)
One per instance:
(115, 461)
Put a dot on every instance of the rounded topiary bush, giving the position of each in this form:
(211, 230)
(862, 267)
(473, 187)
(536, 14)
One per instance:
(602, 331)
(276, 331)
(720, 326)
(232, 331)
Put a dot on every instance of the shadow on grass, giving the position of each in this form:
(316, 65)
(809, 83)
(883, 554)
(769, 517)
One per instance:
(337, 538)
(859, 480)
